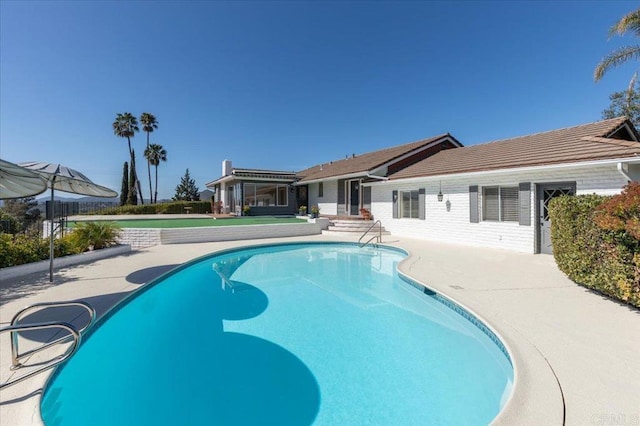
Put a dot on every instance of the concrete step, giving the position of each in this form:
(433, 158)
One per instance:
(350, 233)
(353, 226)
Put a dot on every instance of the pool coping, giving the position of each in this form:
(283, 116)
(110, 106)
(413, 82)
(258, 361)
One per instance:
(473, 317)
(522, 407)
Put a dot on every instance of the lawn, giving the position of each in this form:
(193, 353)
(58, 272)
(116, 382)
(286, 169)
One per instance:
(200, 222)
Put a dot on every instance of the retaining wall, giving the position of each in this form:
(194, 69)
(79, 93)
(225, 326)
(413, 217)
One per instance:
(140, 238)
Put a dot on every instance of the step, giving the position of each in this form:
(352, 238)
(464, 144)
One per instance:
(349, 233)
(353, 229)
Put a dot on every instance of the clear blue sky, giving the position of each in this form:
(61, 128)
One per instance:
(285, 85)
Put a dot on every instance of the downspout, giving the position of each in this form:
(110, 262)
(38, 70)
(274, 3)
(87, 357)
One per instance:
(623, 172)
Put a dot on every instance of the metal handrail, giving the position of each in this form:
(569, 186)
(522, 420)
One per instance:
(39, 326)
(378, 237)
(15, 356)
(226, 282)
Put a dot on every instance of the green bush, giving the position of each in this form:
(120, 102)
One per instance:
(24, 248)
(176, 207)
(94, 235)
(606, 260)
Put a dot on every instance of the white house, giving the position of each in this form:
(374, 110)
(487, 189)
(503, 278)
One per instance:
(496, 194)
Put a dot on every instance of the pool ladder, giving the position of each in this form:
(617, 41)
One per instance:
(377, 237)
(74, 334)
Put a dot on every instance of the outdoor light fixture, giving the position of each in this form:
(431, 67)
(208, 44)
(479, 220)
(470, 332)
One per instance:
(440, 196)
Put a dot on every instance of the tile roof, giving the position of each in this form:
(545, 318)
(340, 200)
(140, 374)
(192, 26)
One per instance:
(363, 163)
(586, 142)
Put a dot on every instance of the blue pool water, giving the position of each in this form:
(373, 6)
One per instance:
(294, 334)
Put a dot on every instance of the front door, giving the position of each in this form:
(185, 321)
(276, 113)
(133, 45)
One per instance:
(546, 193)
(301, 196)
(354, 197)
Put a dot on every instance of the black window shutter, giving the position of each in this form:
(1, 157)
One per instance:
(394, 199)
(341, 196)
(473, 204)
(525, 203)
(421, 204)
(366, 197)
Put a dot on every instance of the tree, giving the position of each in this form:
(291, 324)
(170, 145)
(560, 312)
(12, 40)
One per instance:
(132, 196)
(628, 23)
(149, 124)
(124, 189)
(625, 103)
(126, 126)
(23, 210)
(187, 190)
(155, 154)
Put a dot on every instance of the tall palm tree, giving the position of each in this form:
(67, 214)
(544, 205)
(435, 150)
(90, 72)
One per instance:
(155, 154)
(149, 124)
(126, 126)
(628, 23)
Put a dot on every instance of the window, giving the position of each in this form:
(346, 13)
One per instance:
(320, 189)
(500, 203)
(409, 206)
(265, 194)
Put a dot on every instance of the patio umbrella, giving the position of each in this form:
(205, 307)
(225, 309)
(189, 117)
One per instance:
(18, 182)
(66, 180)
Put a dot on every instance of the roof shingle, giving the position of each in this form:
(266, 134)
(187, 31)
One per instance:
(586, 142)
(364, 162)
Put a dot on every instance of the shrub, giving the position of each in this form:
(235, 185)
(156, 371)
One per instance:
(24, 248)
(593, 249)
(176, 207)
(622, 212)
(94, 235)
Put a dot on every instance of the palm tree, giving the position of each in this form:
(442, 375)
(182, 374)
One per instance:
(126, 126)
(629, 23)
(155, 154)
(149, 124)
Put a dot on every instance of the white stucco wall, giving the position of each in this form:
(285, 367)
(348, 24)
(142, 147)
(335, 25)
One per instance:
(449, 220)
(328, 203)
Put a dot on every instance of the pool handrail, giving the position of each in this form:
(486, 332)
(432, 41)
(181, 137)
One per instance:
(377, 237)
(16, 356)
(39, 326)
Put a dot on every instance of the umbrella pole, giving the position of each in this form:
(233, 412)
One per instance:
(52, 213)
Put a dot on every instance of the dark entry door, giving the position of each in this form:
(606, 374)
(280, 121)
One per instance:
(302, 197)
(354, 197)
(546, 193)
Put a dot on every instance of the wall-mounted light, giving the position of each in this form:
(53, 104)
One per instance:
(440, 196)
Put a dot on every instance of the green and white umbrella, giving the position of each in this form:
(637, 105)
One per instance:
(18, 182)
(65, 179)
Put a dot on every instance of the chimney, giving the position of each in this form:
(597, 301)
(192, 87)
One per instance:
(227, 169)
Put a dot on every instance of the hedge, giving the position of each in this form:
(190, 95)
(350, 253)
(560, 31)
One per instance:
(590, 252)
(176, 207)
(24, 248)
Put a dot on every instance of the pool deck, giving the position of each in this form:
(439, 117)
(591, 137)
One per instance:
(576, 353)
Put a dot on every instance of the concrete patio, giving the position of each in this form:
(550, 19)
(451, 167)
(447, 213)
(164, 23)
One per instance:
(576, 353)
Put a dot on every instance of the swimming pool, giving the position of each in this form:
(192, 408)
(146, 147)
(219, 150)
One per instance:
(290, 334)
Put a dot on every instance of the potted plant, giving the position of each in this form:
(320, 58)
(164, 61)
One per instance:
(246, 209)
(315, 211)
(302, 210)
(218, 207)
(366, 214)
